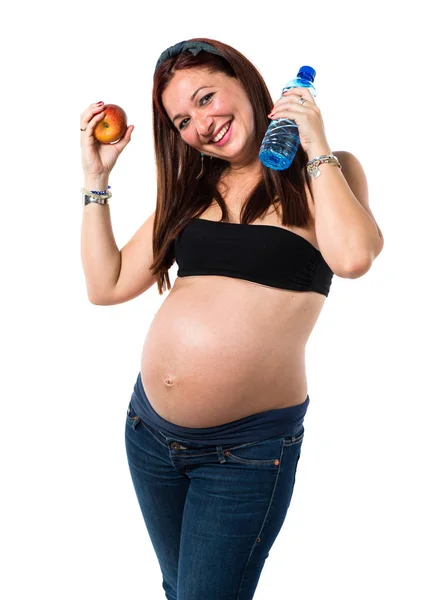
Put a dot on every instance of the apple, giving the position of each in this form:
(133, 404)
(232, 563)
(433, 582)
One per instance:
(112, 126)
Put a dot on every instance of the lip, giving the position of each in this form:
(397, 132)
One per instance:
(218, 131)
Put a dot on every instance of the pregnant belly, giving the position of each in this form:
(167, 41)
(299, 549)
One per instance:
(213, 354)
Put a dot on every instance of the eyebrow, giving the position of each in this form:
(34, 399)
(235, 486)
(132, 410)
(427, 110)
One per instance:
(191, 99)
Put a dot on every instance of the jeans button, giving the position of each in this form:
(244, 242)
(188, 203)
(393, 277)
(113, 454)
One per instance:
(175, 446)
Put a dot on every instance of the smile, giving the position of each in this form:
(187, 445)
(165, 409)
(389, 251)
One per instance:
(222, 140)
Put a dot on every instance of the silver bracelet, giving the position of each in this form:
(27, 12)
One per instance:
(89, 199)
(312, 165)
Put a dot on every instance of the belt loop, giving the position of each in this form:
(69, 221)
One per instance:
(220, 454)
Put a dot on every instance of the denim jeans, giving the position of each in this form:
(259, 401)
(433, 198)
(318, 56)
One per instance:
(212, 512)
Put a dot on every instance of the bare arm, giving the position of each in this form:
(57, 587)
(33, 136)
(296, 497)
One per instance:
(114, 276)
(100, 255)
(135, 275)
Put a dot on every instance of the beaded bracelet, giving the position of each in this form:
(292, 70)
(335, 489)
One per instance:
(97, 196)
(101, 197)
(99, 192)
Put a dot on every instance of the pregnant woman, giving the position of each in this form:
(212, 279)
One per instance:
(214, 427)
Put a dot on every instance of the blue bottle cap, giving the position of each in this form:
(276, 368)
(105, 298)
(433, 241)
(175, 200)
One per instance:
(306, 72)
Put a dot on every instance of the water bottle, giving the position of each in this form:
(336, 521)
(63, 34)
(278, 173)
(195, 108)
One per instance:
(281, 139)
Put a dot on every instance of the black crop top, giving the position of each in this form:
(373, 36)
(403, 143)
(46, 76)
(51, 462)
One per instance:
(266, 254)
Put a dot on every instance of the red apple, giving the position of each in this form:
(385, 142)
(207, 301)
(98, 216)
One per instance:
(112, 126)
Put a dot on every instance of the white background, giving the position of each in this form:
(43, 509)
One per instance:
(360, 523)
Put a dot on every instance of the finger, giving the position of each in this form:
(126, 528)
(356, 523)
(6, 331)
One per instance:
(286, 109)
(295, 96)
(279, 103)
(298, 90)
(88, 114)
(90, 127)
(290, 100)
(299, 93)
(91, 108)
(294, 102)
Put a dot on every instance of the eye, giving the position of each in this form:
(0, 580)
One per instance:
(203, 97)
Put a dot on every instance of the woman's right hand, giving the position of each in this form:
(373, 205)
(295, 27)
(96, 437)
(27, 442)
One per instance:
(98, 159)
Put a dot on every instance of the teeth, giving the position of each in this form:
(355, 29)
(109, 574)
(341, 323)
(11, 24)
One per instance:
(222, 133)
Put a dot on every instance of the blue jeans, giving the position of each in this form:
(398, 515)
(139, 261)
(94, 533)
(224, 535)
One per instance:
(212, 512)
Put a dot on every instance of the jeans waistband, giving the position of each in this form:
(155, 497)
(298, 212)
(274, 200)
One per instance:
(271, 423)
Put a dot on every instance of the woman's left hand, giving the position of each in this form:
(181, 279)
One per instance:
(307, 117)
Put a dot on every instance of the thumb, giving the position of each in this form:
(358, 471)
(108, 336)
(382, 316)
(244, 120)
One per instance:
(129, 132)
(125, 140)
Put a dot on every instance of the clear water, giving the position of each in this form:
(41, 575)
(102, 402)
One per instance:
(281, 140)
(280, 144)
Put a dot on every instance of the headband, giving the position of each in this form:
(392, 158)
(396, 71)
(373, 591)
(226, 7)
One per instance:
(193, 47)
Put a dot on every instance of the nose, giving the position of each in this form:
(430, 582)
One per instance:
(204, 127)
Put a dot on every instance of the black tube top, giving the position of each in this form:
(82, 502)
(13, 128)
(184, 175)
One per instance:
(266, 254)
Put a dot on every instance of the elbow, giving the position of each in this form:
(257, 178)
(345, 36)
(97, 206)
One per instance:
(357, 269)
(99, 301)
(360, 267)
(350, 273)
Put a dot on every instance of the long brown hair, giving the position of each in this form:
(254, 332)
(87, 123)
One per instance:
(180, 197)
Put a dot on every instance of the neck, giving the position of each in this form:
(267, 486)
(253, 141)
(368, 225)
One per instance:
(239, 174)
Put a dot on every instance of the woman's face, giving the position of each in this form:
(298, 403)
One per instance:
(198, 120)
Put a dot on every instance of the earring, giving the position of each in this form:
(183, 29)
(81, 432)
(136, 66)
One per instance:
(201, 169)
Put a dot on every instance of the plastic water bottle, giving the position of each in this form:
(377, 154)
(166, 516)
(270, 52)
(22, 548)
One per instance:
(281, 139)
